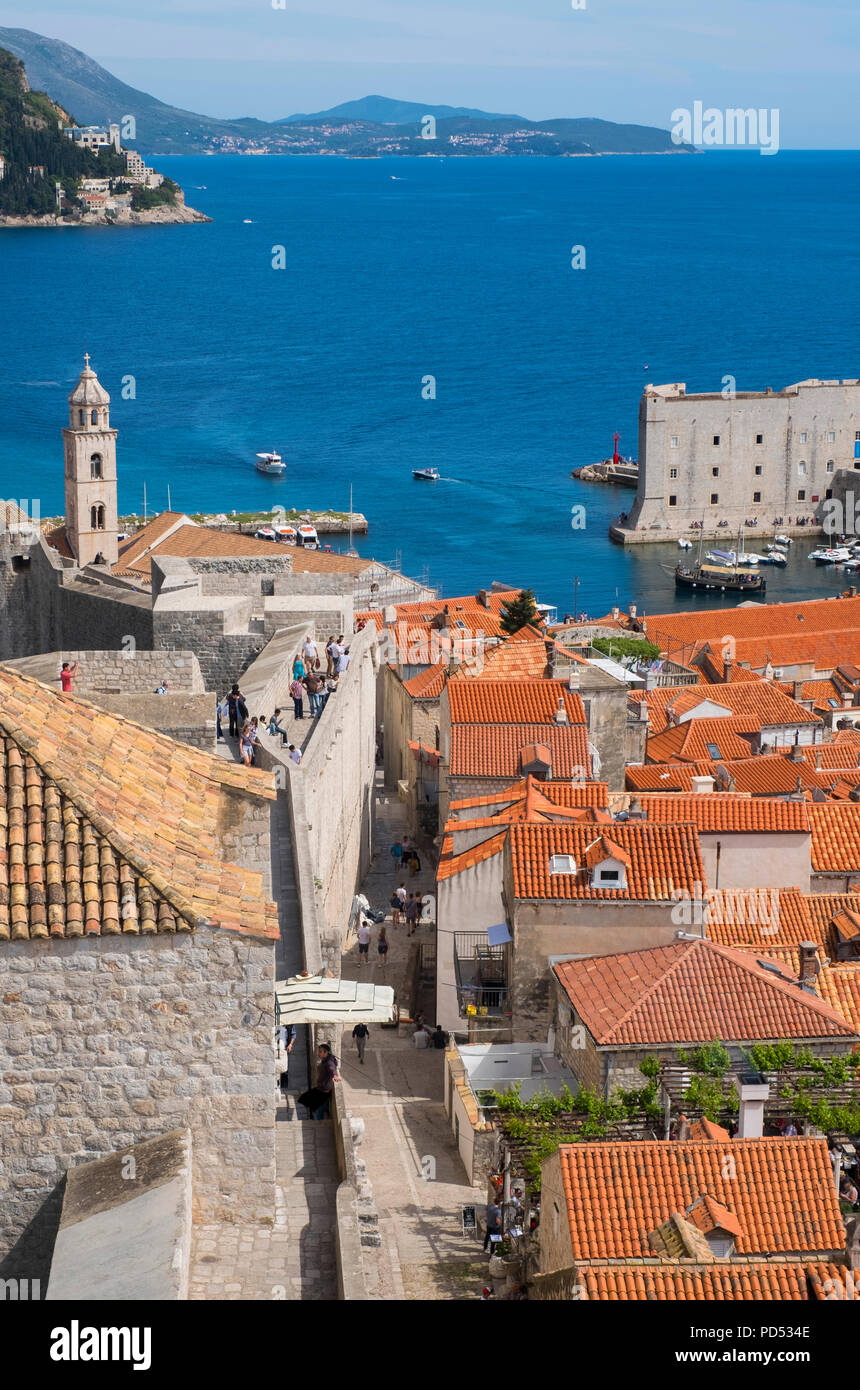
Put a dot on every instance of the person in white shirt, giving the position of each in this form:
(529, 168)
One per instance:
(309, 653)
(295, 754)
(363, 935)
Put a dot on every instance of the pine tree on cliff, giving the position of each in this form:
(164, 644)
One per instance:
(519, 611)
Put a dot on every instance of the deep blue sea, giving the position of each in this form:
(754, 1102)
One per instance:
(696, 267)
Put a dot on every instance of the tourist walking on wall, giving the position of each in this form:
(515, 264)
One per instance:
(298, 669)
(382, 947)
(297, 690)
(222, 715)
(359, 1033)
(329, 657)
(310, 655)
(398, 904)
(246, 745)
(67, 675)
(342, 659)
(237, 710)
(397, 855)
(295, 754)
(313, 685)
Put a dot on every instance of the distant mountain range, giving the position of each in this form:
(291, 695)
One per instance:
(371, 126)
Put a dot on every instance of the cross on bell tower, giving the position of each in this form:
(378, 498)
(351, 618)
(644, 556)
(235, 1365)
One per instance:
(89, 452)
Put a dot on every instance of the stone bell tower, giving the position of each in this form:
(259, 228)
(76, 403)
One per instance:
(89, 448)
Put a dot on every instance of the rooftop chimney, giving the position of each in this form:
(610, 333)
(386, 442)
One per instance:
(702, 784)
(798, 690)
(636, 810)
(561, 712)
(753, 1091)
(683, 1131)
(615, 613)
(796, 755)
(632, 610)
(797, 794)
(483, 598)
(727, 670)
(818, 757)
(810, 966)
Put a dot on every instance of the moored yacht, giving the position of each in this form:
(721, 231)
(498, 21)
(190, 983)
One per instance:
(270, 463)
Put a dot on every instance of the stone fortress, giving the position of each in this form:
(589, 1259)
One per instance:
(773, 457)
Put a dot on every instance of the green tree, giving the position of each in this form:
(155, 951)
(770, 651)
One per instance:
(519, 611)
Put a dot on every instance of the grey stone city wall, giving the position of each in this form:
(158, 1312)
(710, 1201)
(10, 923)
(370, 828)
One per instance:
(222, 656)
(104, 1042)
(134, 671)
(187, 718)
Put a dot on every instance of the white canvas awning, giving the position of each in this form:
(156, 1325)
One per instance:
(316, 1000)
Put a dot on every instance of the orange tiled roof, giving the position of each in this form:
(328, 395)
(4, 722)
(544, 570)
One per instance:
(840, 986)
(204, 541)
(662, 858)
(762, 701)
(781, 1191)
(428, 684)
(520, 657)
(835, 836)
(451, 863)
(693, 740)
(96, 811)
(495, 750)
(512, 702)
(768, 774)
(706, 1129)
(756, 621)
(561, 794)
(718, 1282)
(759, 919)
(727, 813)
(690, 992)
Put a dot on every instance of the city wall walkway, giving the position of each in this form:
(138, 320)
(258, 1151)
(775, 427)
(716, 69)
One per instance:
(418, 1179)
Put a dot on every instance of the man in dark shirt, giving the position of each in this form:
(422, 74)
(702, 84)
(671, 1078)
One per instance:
(318, 1098)
(440, 1037)
(360, 1032)
(494, 1222)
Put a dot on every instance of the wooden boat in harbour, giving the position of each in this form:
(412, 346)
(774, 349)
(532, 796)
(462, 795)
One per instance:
(719, 577)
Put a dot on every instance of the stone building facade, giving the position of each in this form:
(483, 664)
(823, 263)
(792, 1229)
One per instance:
(137, 957)
(762, 455)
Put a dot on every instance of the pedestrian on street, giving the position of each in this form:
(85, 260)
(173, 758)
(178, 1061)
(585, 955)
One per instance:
(318, 1098)
(360, 1033)
(398, 905)
(413, 912)
(237, 710)
(329, 657)
(222, 714)
(297, 690)
(342, 660)
(295, 754)
(397, 855)
(382, 947)
(363, 935)
(494, 1223)
(246, 745)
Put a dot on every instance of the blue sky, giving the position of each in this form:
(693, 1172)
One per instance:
(624, 60)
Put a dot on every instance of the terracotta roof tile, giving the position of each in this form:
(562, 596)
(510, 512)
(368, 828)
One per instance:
(561, 794)
(763, 701)
(780, 1190)
(496, 750)
(450, 863)
(835, 836)
(696, 738)
(663, 858)
(728, 813)
(718, 1282)
(690, 992)
(428, 685)
(512, 702)
(706, 1129)
(106, 826)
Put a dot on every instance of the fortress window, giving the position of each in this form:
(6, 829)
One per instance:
(673, 472)
(715, 497)
(831, 466)
(716, 439)
(83, 415)
(831, 436)
(801, 496)
(801, 467)
(803, 436)
(97, 517)
(94, 418)
(756, 496)
(95, 465)
(759, 439)
(674, 442)
(673, 500)
(758, 470)
(715, 472)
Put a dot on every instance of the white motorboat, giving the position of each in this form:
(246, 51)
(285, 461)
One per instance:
(783, 540)
(427, 475)
(286, 533)
(307, 536)
(265, 533)
(836, 556)
(684, 544)
(270, 463)
(775, 557)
